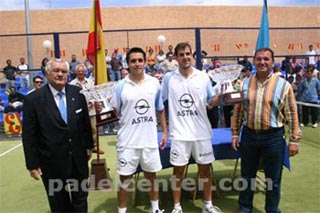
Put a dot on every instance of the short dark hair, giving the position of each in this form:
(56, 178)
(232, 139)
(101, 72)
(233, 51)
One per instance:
(37, 77)
(135, 50)
(182, 46)
(266, 49)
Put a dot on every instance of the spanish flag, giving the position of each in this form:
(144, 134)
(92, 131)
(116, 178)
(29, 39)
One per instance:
(95, 50)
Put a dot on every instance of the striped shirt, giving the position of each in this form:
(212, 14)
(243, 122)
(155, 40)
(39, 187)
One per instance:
(267, 105)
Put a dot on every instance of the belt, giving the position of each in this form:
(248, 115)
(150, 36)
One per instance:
(262, 131)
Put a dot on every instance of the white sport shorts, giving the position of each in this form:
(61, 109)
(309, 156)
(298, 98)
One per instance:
(129, 159)
(181, 152)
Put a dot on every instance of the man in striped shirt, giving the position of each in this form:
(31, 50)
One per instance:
(269, 105)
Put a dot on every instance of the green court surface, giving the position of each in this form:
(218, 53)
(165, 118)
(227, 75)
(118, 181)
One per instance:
(300, 187)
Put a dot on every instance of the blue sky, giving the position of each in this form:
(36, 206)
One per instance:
(57, 4)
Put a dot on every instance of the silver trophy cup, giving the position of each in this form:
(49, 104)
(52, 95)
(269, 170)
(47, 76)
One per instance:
(102, 93)
(225, 76)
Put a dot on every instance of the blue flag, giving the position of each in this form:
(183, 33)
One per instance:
(263, 38)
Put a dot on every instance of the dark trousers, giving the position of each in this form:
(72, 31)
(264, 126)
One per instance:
(227, 113)
(268, 146)
(213, 115)
(65, 200)
(306, 111)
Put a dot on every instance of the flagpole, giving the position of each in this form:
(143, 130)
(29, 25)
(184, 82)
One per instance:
(95, 44)
(96, 68)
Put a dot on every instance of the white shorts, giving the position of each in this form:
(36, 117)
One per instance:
(181, 151)
(129, 159)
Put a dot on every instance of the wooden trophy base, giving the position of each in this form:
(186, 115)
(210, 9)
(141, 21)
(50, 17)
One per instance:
(99, 177)
(231, 98)
(106, 117)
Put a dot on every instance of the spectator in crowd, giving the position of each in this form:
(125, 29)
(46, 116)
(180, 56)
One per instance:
(151, 59)
(3, 79)
(118, 55)
(159, 74)
(169, 64)
(37, 83)
(310, 59)
(10, 73)
(15, 101)
(277, 69)
(90, 69)
(309, 90)
(160, 57)
(138, 141)
(124, 60)
(124, 72)
(285, 64)
(23, 73)
(85, 83)
(294, 63)
(213, 112)
(170, 51)
(246, 63)
(268, 106)
(43, 66)
(313, 70)
(190, 132)
(109, 69)
(57, 139)
(73, 63)
(116, 66)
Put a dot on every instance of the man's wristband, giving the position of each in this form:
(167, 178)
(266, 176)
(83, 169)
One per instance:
(235, 136)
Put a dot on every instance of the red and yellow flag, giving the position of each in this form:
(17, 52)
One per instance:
(95, 50)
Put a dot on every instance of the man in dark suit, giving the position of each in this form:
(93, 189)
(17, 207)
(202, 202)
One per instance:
(57, 139)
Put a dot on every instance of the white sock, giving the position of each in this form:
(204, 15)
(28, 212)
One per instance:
(122, 210)
(154, 205)
(208, 203)
(177, 206)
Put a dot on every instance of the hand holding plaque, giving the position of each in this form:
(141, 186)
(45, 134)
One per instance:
(225, 76)
(101, 96)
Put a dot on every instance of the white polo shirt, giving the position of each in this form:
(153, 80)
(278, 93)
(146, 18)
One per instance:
(187, 100)
(136, 106)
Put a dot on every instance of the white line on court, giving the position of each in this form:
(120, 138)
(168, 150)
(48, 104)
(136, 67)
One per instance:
(10, 150)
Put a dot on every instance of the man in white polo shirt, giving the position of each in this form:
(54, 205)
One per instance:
(189, 92)
(137, 99)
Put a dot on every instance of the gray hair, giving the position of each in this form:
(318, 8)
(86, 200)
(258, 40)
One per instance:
(81, 65)
(56, 60)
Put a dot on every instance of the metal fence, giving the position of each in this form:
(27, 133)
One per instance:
(226, 43)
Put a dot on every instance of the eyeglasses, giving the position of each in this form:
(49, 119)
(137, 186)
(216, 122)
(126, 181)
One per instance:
(38, 82)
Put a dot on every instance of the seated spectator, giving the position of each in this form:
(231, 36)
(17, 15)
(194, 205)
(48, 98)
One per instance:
(37, 83)
(15, 101)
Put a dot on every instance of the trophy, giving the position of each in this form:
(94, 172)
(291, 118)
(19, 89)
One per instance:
(102, 93)
(225, 76)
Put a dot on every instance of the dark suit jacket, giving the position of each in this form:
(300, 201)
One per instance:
(51, 144)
